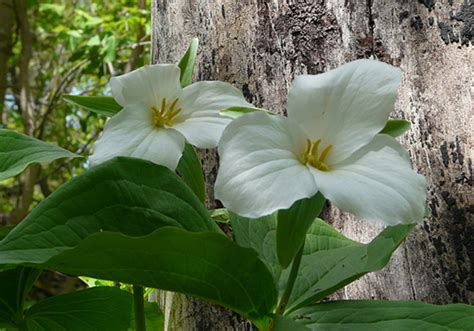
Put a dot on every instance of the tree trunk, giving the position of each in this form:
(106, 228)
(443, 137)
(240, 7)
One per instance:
(260, 45)
(7, 21)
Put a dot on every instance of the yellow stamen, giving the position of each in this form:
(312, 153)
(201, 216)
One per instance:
(163, 105)
(308, 147)
(325, 153)
(166, 114)
(176, 112)
(311, 154)
(170, 110)
(314, 150)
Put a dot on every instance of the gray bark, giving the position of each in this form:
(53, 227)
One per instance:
(261, 45)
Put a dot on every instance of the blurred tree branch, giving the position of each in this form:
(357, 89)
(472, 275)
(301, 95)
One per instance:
(7, 21)
(137, 52)
(30, 176)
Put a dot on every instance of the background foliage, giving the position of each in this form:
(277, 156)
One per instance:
(54, 48)
(75, 47)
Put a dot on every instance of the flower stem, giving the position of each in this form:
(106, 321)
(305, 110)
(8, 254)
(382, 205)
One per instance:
(291, 281)
(139, 306)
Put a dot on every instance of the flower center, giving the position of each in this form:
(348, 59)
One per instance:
(165, 115)
(312, 156)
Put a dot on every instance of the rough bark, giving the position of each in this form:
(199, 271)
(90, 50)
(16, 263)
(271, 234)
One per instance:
(261, 45)
(7, 21)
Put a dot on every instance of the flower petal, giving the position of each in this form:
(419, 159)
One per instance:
(148, 85)
(345, 107)
(261, 170)
(131, 133)
(200, 121)
(377, 184)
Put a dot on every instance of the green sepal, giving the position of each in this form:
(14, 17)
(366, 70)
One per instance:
(396, 127)
(106, 106)
(187, 62)
(190, 170)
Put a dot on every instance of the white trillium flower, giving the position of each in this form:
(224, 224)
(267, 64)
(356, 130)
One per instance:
(158, 116)
(330, 142)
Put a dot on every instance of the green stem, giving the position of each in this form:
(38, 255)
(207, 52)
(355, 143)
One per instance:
(139, 306)
(291, 281)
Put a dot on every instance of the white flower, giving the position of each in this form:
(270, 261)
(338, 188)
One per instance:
(329, 142)
(158, 115)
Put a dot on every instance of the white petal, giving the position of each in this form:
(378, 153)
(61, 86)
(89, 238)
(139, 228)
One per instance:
(148, 85)
(377, 184)
(345, 107)
(203, 132)
(201, 102)
(260, 169)
(130, 133)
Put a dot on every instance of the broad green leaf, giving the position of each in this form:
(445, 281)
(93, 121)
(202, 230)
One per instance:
(97, 308)
(293, 223)
(187, 62)
(205, 264)
(190, 169)
(17, 151)
(14, 286)
(154, 319)
(260, 235)
(396, 127)
(106, 106)
(4, 230)
(236, 112)
(385, 315)
(126, 195)
(282, 323)
(330, 260)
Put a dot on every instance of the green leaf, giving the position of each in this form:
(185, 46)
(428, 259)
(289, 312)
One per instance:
(187, 62)
(260, 235)
(94, 41)
(109, 49)
(106, 106)
(282, 323)
(396, 127)
(190, 169)
(56, 8)
(14, 286)
(385, 315)
(17, 151)
(293, 223)
(205, 264)
(126, 195)
(98, 308)
(154, 319)
(236, 112)
(4, 230)
(330, 260)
